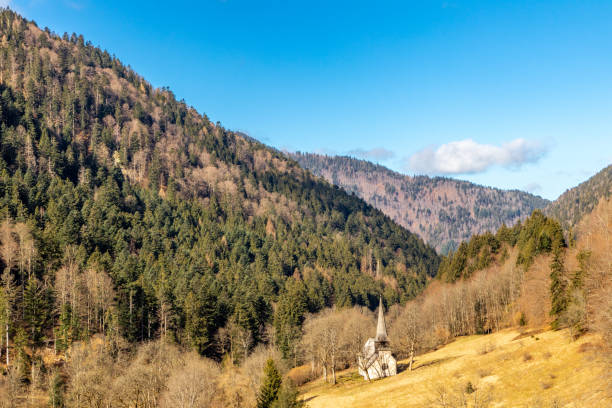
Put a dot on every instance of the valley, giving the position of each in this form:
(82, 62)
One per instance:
(151, 257)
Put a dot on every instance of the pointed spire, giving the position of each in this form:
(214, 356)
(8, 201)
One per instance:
(381, 328)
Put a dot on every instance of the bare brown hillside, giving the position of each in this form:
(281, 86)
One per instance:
(581, 200)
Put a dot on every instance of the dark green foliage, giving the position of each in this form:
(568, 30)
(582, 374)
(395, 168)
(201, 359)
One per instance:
(469, 388)
(290, 313)
(575, 312)
(558, 288)
(538, 235)
(37, 307)
(56, 391)
(583, 257)
(68, 329)
(195, 225)
(270, 386)
(23, 361)
(471, 256)
(288, 397)
(201, 318)
(479, 252)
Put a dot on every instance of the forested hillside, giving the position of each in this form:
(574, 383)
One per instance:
(579, 201)
(127, 213)
(577, 277)
(444, 211)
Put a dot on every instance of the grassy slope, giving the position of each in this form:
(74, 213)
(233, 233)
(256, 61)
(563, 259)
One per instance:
(569, 373)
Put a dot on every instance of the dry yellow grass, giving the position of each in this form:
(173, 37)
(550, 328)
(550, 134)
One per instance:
(536, 370)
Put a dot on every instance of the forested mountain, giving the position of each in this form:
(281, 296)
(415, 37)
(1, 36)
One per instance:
(126, 212)
(537, 235)
(444, 211)
(579, 201)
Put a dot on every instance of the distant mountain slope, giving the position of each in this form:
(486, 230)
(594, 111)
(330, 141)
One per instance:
(443, 211)
(579, 201)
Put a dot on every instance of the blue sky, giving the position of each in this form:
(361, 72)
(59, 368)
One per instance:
(512, 94)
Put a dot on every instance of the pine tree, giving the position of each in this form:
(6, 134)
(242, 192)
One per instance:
(288, 397)
(36, 310)
(558, 288)
(270, 386)
(56, 391)
(289, 317)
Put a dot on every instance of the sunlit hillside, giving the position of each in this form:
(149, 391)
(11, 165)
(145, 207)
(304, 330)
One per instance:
(505, 369)
(530, 366)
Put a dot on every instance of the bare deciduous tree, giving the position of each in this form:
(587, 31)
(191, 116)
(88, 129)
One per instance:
(336, 338)
(192, 385)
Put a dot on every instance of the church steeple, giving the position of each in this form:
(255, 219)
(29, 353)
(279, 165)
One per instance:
(381, 328)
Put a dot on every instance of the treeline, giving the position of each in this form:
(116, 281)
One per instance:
(538, 235)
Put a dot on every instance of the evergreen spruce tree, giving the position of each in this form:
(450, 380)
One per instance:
(56, 391)
(289, 317)
(270, 386)
(288, 397)
(36, 310)
(558, 288)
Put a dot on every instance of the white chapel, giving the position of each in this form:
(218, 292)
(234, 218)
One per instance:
(377, 360)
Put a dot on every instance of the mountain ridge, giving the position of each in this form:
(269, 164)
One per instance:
(444, 211)
(571, 206)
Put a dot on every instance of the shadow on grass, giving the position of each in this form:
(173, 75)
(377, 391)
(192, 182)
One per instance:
(529, 333)
(416, 365)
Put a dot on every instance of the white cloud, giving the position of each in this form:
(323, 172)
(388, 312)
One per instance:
(468, 157)
(533, 188)
(5, 3)
(377, 153)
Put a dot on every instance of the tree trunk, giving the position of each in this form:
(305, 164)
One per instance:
(333, 368)
(411, 357)
(7, 345)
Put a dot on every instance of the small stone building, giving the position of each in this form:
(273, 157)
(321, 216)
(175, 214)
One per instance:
(377, 360)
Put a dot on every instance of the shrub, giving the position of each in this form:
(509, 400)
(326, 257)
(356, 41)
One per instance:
(484, 372)
(469, 388)
(300, 375)
(487, 348)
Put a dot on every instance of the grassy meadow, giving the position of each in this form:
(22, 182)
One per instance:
(505, 369)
